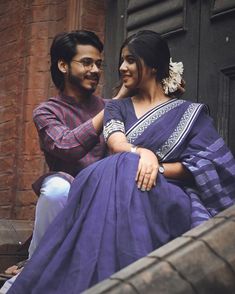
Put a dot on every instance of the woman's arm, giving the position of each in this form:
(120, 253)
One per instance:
(177, 171)
(148, 164)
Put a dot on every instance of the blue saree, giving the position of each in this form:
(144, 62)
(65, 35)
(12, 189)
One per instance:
(109, 223)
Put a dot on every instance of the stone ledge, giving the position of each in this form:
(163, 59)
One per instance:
(200, 261)
(13, 235)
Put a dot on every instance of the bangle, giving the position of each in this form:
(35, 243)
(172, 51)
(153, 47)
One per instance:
(134, 149)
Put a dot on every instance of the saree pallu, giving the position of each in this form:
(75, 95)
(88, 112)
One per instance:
(109, 223)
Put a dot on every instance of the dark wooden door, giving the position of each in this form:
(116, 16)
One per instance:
(217, 64)
(201, 33)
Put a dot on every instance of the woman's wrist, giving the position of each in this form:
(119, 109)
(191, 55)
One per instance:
(134, 149)
(137, 149)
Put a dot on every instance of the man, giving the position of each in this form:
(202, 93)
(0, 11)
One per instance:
(69, 125)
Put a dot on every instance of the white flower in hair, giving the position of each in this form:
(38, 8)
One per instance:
(171, 84)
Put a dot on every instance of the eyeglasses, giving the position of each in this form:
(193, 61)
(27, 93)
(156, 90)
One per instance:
(88, 63)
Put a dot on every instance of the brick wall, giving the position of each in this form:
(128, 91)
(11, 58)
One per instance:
(26, 32)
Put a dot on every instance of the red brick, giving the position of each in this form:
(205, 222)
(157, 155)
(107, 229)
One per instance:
(40, 13)
(33, 149)
(27, 197)
(91, 21)
(52, 91)
(53, 29)
(60, 12)
(7, 98)
(5, 197)
(7, 163)
(44, 2)
(7, 114)
(2, 81)
(9, 19)
(38, 48)
(30, 145)
(25, 180)
(5, 211)
(30, 130)
(24, 213)
(35, 96)
(7, 51)
(10, 66)
(29, 112)
(31, 164)
(6, 181)
(7, 147)
(94, 7)
(7, 130)
(12, 82)
(37, 64)
(9, 35)
(5, 6)
(39, 30)
(37, 80)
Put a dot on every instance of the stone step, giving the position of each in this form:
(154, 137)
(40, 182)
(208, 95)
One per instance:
(13, 245)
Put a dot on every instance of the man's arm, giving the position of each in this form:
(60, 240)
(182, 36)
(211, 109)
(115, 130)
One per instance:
(97, 122)
(58, 139)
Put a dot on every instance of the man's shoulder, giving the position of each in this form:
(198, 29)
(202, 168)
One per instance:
(48, 105)
(99, 99)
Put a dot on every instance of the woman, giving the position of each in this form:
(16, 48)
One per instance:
(170, 171)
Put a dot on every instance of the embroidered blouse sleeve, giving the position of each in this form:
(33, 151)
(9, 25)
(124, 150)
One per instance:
(113, 119)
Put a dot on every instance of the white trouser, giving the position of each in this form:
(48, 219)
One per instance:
(7, 285)
(53, 198)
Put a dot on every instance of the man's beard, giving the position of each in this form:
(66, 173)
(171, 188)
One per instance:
(77, 82)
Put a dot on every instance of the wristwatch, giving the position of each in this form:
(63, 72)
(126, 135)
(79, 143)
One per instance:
(161, 168)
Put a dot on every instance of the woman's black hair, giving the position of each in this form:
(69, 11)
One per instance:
(64, 47)
(152, 48)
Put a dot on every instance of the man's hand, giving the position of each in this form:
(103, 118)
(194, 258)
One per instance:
(180, 90)
(122, 93)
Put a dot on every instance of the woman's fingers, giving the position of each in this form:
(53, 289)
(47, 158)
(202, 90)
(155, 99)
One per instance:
(145, 181)
(149, 180)
(147, 169)
(152, 180)
(138, 171)
(146, 177)
(141, 175)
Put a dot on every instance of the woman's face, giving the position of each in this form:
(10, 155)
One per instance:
(129, 71)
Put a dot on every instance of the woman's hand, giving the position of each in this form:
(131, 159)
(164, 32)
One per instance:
(147, 169)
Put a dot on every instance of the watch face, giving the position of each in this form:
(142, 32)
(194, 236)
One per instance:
(161, 169)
